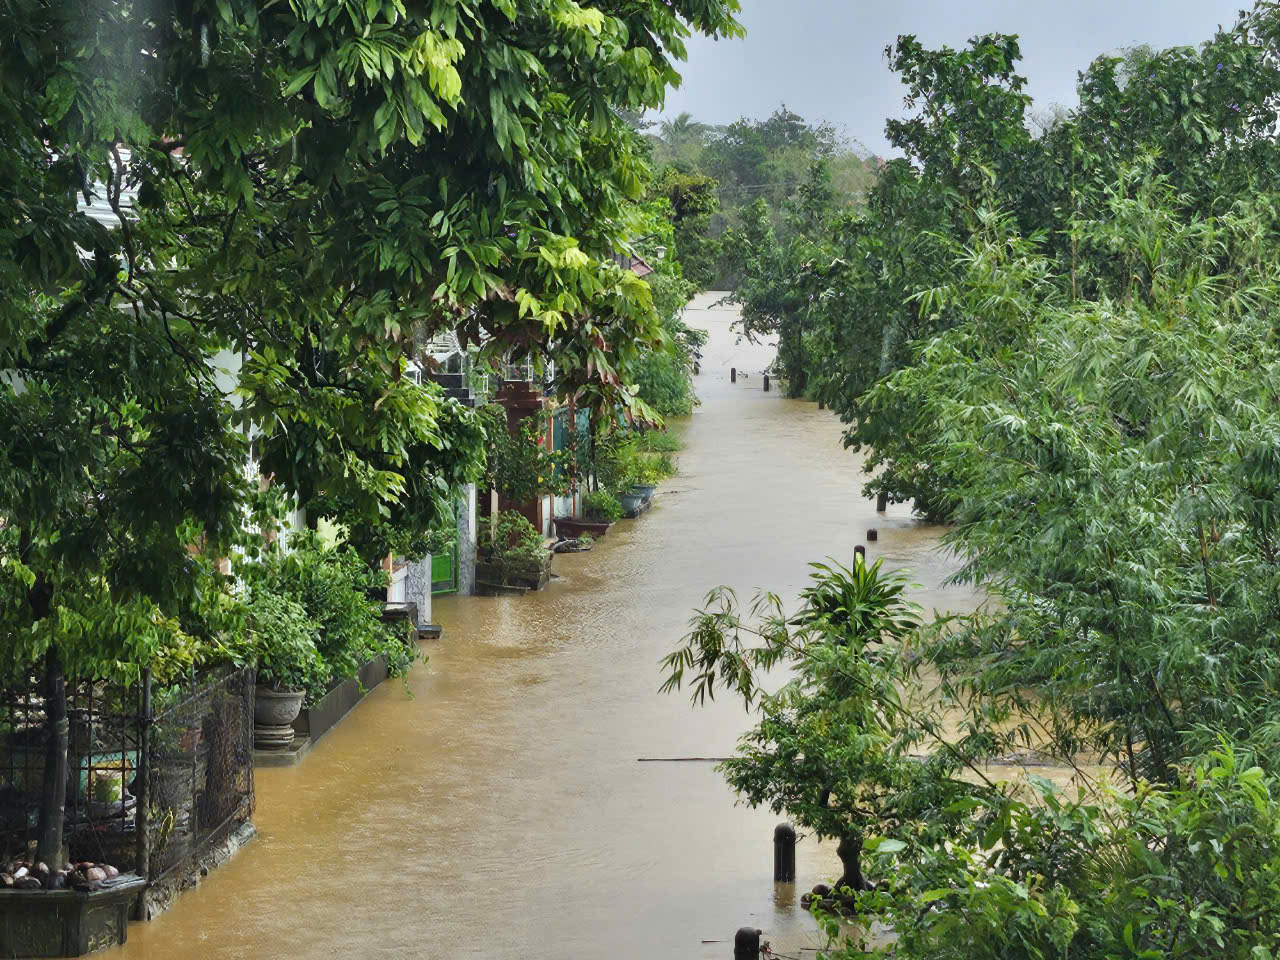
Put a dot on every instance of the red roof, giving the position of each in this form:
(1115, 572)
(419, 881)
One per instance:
(639, 267)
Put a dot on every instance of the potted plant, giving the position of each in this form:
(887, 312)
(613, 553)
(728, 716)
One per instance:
(631, 501)
(512, 553)
(601, 509)
(282, 640)
(647, 478)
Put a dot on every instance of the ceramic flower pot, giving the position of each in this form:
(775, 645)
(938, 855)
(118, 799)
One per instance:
(273, 714)
(631, 502)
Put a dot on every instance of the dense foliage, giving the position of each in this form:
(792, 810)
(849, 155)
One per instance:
(511, 545)
(518, 463)
(333, 590)
(602, 505)
(316, 184)
(1063, 342)
(716, 178)
(281, 640)
(289, 197)
(664, 376)
(843, 290)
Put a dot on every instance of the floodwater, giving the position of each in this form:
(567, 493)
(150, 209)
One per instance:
(496, 807)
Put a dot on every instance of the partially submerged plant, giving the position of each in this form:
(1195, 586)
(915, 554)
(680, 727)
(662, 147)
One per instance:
(603, 506)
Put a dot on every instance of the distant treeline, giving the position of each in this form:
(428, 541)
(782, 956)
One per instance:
(717, 178)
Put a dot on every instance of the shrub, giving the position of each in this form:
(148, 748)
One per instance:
(519, 466)
(659, 441)
(602, 505)
(281, 639)
(512, 545)
(649, 472)
(614, 462)
(332, 587)
(1178, 872)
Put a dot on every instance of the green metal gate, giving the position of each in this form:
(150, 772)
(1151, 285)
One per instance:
(444, 571)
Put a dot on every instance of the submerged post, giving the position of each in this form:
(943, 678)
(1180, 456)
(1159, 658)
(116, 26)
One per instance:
(882, 502)
(746, 945)
(822, 404)
(784, 853)
(872, 535)
(766, 383)
(733, 374)
(860, 551)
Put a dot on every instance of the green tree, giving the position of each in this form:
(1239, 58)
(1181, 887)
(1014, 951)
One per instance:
(317, 185)
(693, 200)
(832, 746)
(780, 273)
(682, 129)
(1140, 587)
(1201, 115)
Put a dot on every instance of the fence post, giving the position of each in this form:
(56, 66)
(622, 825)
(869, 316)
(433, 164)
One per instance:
(51, 841)
(142, 792)
(766, 383)
(746, 945)
(784, 853)
(733, 374)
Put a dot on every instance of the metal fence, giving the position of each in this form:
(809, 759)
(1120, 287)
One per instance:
(104, 738)
(201, 769)
(154, 774)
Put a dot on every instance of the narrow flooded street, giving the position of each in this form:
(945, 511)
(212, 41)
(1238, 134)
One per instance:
(497, 809)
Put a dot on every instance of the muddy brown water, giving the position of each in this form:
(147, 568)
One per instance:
(495, 808)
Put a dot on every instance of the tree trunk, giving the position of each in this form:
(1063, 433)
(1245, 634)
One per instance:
(54, 798)
(850, 853)
(791, 353)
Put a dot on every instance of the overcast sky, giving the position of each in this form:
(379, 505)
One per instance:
(825, 58)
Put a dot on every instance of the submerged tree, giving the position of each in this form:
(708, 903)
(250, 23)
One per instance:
(834, 745)
(1113, 479)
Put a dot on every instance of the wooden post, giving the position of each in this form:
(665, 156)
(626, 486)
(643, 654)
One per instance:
(784, 853)
(733, 374)
(882, 502)
(766, 383)
(746, 944)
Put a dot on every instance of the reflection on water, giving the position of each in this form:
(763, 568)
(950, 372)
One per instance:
(496, 807)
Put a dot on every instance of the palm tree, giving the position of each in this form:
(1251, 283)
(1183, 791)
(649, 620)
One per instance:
(683, 129)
